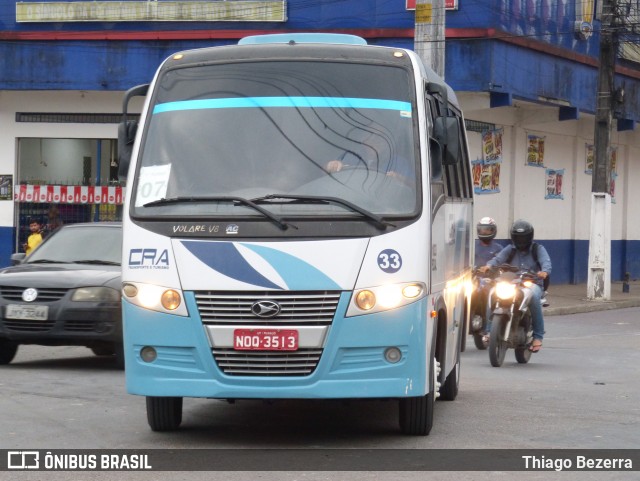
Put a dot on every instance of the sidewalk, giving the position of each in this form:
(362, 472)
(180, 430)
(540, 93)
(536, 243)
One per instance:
(572, 299)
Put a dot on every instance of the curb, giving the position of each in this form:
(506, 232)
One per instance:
(590, 306)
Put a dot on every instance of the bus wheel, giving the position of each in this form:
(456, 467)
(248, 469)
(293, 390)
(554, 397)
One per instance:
(8, 351)
(416, 413)
(449, 389)
(164, 413)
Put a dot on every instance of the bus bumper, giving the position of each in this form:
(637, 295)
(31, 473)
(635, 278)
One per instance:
(352, 364)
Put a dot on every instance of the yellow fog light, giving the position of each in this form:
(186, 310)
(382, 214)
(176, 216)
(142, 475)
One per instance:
(365, 300)
(170, 300)
(527, 283)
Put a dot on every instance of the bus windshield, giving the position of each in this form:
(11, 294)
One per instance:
(279, 132)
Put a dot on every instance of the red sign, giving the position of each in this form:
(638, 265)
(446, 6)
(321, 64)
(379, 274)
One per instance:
(69, 194)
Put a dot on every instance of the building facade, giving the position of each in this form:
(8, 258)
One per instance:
(525, 72)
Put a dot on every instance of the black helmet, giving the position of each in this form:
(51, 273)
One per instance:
(486, 229)
(522, 234)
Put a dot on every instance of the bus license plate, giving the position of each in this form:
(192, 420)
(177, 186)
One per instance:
(31, 313)
(265, 339)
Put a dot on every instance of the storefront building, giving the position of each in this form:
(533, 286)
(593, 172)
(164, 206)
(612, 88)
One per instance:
(525, 72)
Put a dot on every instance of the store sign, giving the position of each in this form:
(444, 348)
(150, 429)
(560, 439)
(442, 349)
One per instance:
(448, 4)
(69, 194)
(158, 11)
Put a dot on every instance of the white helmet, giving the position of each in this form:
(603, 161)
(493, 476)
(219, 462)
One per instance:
(487, 229)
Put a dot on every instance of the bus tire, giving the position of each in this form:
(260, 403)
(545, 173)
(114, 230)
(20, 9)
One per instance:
(164, 413)
(416, 413)
(8, 351)
(449, 389)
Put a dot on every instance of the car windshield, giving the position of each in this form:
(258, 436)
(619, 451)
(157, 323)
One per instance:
(81, 244)
(267, 129)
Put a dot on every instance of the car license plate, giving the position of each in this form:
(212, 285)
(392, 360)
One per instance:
(32, 313)
(265, 339)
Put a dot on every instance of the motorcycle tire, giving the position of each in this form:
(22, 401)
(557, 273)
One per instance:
(479, 342)
(523, 354)
(497, 346)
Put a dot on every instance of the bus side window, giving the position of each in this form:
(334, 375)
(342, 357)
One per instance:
(435, 151)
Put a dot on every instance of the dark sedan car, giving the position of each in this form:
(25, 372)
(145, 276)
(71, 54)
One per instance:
(66, 292)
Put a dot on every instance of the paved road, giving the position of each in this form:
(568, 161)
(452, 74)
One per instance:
(581, 391)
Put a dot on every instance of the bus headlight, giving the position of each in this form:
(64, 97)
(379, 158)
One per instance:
(383, 298)
(155, 298)
(505, 290)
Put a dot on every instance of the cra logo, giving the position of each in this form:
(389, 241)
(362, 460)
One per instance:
(23, 460)
(148, 259)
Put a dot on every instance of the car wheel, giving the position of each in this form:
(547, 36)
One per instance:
(119, 348)
(8, 351)
(103, 350)
(164, 413)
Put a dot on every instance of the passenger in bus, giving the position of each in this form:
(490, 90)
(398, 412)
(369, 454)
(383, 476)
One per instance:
(377, 153)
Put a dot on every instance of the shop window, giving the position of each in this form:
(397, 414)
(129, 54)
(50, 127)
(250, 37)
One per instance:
(65, 181)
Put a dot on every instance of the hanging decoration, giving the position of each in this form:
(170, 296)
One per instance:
(590, 153)
(554, 184)
(69, 194)
(486, 177)
(492, 146)
(535, 150)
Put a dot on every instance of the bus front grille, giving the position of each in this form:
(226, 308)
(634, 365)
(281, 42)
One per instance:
(267, 363)
(308, 308)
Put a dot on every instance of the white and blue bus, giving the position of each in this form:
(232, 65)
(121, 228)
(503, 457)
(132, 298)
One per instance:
(297, 225)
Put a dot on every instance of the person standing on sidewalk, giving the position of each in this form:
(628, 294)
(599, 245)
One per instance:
(35, 238)
(527, 255)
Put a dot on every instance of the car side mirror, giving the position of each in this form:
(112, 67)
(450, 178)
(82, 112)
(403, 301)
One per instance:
(17, 258)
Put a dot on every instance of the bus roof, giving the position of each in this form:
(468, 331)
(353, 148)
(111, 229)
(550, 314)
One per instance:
(332, 38)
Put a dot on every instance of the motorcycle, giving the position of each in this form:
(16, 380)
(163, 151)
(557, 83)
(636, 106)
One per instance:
(511, 324)
(482, 284)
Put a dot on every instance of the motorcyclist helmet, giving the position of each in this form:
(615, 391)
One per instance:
(487, 229)
(522, 234)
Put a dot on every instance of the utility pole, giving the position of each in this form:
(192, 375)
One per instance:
(599, 278)
(429, 33)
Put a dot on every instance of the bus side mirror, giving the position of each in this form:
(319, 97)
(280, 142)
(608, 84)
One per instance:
(126, 136)
(127, 130)
(446, 131)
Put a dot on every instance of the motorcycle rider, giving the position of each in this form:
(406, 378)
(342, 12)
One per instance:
(521, 254)
(486, 246)
(485, 249)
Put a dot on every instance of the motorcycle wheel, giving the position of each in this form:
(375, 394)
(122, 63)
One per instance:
(523, 354)
(497, 346)
(479, 342)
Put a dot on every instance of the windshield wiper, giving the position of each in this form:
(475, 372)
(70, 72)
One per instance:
(238, 200)
(97, 262)
(377, 220)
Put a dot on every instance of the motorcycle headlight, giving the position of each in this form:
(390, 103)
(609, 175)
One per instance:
(95, 294)
(505, 290)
